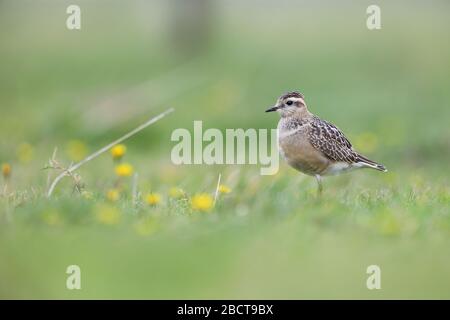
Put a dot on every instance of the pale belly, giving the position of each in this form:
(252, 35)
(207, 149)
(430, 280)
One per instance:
(301, 155)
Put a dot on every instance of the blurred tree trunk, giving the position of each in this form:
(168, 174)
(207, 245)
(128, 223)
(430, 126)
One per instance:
(190, 25)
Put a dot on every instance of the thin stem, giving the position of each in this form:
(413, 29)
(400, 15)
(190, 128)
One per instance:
(74, 167)
(134, 189)
(217, 189)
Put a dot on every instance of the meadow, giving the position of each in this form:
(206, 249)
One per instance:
(141, 227)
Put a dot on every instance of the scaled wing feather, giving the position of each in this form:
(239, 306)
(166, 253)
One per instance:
(327, 138)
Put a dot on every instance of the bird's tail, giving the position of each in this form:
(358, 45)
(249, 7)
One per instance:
(370, 164)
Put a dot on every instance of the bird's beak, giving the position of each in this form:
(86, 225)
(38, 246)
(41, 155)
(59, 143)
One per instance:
(272, 109)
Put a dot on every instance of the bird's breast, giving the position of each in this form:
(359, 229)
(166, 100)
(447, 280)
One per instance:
(301, 155)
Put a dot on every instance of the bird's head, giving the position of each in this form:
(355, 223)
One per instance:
(290, 104)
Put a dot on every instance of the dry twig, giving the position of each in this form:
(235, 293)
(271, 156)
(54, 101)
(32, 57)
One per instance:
(69, 171)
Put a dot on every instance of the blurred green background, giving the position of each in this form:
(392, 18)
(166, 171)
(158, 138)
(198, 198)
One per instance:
(224, 62)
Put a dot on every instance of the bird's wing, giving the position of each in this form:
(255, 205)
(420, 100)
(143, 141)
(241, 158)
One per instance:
(328, 139)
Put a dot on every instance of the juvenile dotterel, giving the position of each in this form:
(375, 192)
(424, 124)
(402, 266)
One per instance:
(314, 146)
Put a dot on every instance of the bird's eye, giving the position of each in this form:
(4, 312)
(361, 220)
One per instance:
(289, 103)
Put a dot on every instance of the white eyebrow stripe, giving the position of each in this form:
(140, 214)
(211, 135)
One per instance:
(296, 99)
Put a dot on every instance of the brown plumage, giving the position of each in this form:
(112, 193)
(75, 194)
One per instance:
(314, 146)
(327, 138)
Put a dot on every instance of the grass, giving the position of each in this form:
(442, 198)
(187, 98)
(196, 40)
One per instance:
(270, 237)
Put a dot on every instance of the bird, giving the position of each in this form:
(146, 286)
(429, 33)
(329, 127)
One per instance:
(314, 146)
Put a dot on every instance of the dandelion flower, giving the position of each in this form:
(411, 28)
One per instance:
(112, 195)
(146, 226)
(107, 214)
(51, 217)
(202, 202)
(224, 189)
(153, 199)
(176, 193)
(366, 142)
(118, 151)
(6, 170)
(76, 150)
(25, 152)
(124, 170)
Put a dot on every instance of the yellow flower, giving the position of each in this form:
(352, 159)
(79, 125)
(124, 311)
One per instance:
(146, 226)
(176, 193)
(76, 150)
(153, 199)
(202, 202)
(24, 152)
(224, 189)
(51, 217)
(113, 195)
(118, 151)
(387, 223)
(124, 170)
(107, 214)
(366, 142)
(6, 170)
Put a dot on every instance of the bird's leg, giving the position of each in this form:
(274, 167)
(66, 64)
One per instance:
(319, 184)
